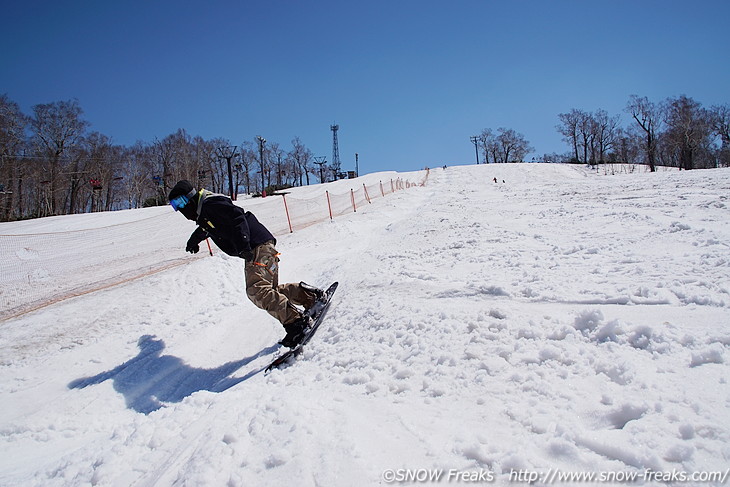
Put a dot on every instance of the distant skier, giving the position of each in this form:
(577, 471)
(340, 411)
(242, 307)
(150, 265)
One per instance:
(238, 233)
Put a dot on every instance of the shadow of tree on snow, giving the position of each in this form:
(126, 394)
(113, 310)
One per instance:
(151, 379)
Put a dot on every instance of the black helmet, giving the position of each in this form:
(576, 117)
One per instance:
(182, 188)
(183, 197)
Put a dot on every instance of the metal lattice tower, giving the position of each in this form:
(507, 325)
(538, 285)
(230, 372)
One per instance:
(335, 151)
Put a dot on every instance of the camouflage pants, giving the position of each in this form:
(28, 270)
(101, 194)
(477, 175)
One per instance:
(263, 289)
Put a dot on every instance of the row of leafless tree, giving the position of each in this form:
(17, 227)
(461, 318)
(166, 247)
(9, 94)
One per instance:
(677, 132)
(51, 164)
(505, 145)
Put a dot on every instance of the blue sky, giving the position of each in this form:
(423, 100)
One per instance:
(407, 81)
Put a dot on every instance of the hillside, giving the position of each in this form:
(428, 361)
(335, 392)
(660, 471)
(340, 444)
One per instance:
(557, 321)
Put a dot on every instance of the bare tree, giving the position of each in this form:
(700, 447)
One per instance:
(90, 172)
(212, 170)
(289, 172)
(487, 143)
(139, 172)
(204, 157)
(689, 128)
(626, 148)
(648, 117)
(720, 118)
(248, 161)
(12, 140)
(568, 128)
(587, 136)
(303, 159)
(277, 161)
(513, 146)
(605, 133)
(56, 127)
(176, 158)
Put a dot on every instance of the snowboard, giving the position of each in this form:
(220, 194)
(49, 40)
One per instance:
(317, 313)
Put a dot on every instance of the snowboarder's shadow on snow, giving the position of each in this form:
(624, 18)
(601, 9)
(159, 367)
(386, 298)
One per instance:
(151, 379)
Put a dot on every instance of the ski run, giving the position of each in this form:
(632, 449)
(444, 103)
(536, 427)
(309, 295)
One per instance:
(559, 320)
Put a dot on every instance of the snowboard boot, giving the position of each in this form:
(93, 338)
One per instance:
(295, 332)
(312, 292)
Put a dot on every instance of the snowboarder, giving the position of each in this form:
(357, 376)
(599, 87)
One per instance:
(238, 233)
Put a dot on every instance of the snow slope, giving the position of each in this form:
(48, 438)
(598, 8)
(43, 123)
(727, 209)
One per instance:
(562, 321)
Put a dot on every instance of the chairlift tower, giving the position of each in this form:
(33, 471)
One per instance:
(320, 161)
(335, 151)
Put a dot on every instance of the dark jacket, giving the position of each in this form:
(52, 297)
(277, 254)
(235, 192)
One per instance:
(235, 231)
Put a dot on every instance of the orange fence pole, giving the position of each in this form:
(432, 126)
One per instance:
(286, 208)
(329, 204)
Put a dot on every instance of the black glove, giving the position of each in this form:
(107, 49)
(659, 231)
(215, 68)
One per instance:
(246, 255)
(192, 246)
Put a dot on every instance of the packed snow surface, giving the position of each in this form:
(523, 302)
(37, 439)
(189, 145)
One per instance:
(558, 320)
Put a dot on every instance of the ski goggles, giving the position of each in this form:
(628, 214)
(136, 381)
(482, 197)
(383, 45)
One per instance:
(179, 202)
